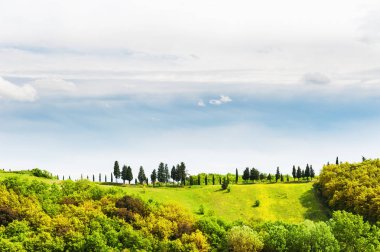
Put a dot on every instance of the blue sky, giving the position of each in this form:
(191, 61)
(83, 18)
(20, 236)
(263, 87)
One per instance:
(219, 85)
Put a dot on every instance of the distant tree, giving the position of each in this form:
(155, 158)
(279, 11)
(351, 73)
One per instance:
(63, 177)
(135, 181)
(302, 173)
(116, 170)
(269, 178)
(173, 174)
(166, 172)
(93, 178)
(307, 172)
(129, 175)
(225, 183)
(153, 176)
(254, 174)
(199, 179)
(262, 176)
(278, 175)
(299, 173)
(282, 178)
(312, 174)
(294, 173)
(363, 158)
(81, 176)
(87, 177)
(246, 175)
(191, 180)
(124, 173)
(161, 173)
(69, 178)
(141, 176)
(100, 177)
(182, 173)
(105, 178)
(337, 161)
(206, 180)
(287, 178)
(236, 176)
(111, 178)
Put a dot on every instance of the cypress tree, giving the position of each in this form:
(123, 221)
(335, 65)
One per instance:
(69, 178)
(337, 161)
(173, 174)
(246, 175)
(105, 178)
(161, 173)
(282, 178)
(299, 173)
(63, 177)
(302, 174)
(236, 176)
(307, 172)
(135, 181)
(199, 179)
(100, 177)
(141, 176)
(294, 173)
(93, 177)
(182, 173)
(167, 175)
(81, 176)
(312, 174)
(220, 180)
(277, 174)
(124, 173)
(206, 180)
(87, 177)
(116, 170)
(287, 178)
(213, 179)
(153, 176)
(111, 178)
(269, 178)
(129, 176)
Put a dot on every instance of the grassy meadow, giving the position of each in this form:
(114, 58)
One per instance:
(289, 202)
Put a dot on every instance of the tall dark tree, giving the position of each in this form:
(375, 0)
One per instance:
(129, 174)
(173, 174)
(363, 159)
(141, 176)
(236, 176)
(287, 178)
(63, 177)
(206, 182)
(302, 173)
(166, 172)
(81, 176)
(93, 178)
(153, 176)
(299, 173)
(246, 175)
(124, 173)
(116, 170)
(213, 179)
(100, 177)
(282, 178)
(161, 173)
(199, 179)
(111, 177)
(294, 172)
(182, 173)
(87, 177)
(312, 173)
(337, 161)
(278, 175)
(105, 178)
(262, 176)
(269, 178)
(254, 174)
(307, 172)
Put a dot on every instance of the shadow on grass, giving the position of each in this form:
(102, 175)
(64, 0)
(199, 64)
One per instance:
(316, 208)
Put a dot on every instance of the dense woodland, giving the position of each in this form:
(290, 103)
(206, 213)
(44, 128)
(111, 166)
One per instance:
(83, 216)
(353, 187)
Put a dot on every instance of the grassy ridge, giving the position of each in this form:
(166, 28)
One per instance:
(289, 202)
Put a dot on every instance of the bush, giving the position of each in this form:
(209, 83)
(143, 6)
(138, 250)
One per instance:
(257, 203)
(201, 210)
(41, 173)
(243, 238)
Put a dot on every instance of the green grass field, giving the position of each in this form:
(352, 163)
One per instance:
(289, 202)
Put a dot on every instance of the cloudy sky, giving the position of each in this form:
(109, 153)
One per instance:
(217, 84)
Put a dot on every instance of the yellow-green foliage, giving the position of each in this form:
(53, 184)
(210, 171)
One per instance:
(353, 187)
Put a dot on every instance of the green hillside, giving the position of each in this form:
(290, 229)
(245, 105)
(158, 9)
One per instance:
(289, 202)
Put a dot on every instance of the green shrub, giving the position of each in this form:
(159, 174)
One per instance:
(243, 238)
(257, 203)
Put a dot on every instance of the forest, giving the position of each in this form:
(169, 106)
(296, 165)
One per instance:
(40, 213)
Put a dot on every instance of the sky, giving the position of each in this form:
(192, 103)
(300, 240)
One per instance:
(216, 84)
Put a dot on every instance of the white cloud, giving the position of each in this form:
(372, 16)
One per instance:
(54, 86)
(315, 79)
(11, 91)
(201, 103)
(221, 100)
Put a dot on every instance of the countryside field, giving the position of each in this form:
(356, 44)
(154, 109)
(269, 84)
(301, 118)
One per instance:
(289, 202)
